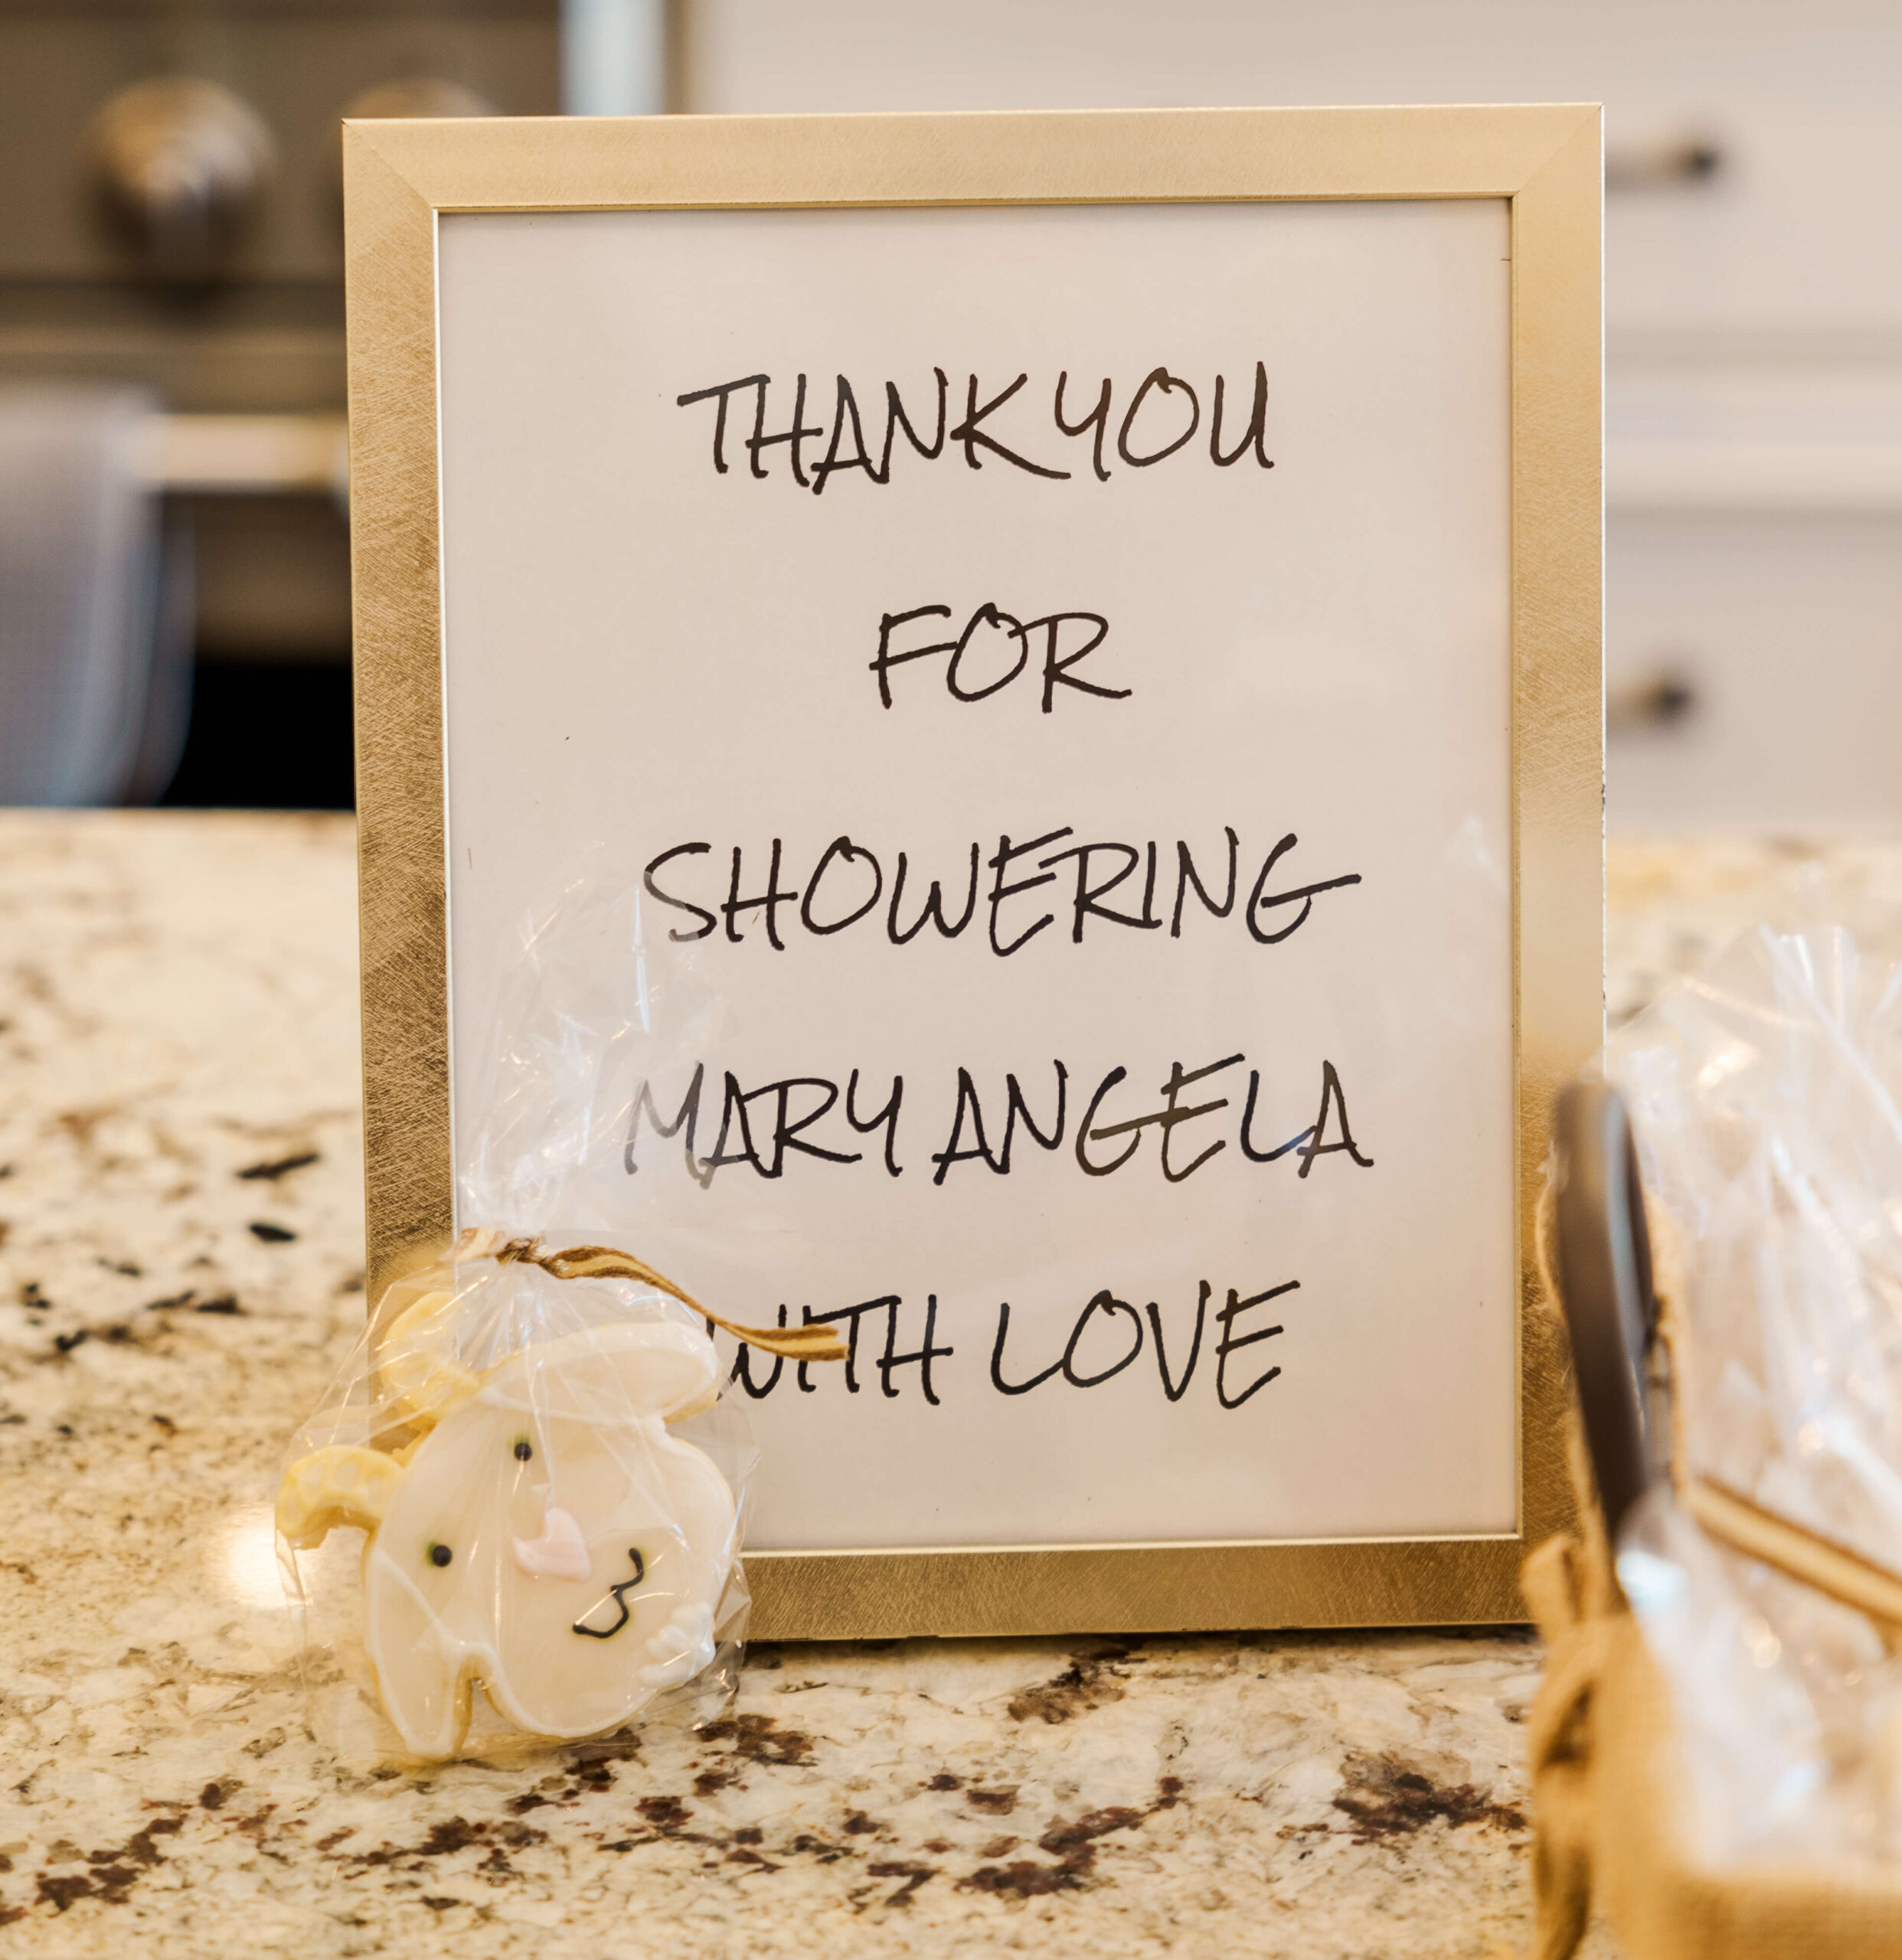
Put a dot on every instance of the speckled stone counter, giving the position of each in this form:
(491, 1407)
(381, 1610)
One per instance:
(180, 1250)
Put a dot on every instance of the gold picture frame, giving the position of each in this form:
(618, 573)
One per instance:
(1545, 162)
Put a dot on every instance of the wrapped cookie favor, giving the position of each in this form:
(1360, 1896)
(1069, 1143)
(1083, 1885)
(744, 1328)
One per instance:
(551, 1491)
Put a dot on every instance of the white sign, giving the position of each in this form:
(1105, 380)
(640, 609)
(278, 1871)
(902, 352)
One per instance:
(1048, 672)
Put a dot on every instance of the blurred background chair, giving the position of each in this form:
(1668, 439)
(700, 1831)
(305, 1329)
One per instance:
(170, 220)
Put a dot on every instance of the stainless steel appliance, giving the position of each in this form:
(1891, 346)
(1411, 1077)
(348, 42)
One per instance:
(171, 215)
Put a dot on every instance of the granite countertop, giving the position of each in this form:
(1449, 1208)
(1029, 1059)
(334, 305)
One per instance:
(180, 1272)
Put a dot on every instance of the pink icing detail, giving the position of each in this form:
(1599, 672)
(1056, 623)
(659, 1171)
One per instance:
(560, 1552)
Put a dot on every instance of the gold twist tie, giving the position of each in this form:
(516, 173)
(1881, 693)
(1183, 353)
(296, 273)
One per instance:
(810, 1342)
(1798, 1553)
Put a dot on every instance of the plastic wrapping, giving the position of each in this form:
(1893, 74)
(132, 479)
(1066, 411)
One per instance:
(1766, 1095)
(552, 1497)
(530, 1435)
(1788, 1706)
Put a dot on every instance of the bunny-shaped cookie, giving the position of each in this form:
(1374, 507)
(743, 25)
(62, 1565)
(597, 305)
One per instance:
(548, 1536)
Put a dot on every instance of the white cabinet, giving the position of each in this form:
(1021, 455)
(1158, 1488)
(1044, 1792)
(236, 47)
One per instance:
(1753, 564)
(1783, 631)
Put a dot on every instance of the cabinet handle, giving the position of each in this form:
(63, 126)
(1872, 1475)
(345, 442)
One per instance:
(1664, 698)
(1658, 166)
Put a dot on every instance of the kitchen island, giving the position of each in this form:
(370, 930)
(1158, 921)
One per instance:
(181, 1249)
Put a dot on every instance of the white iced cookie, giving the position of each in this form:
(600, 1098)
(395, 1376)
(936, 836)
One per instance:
(549, 1539)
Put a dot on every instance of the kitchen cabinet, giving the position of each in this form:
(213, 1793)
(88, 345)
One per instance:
(1754, 311)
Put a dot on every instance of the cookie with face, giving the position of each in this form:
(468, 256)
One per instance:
(548, 1538)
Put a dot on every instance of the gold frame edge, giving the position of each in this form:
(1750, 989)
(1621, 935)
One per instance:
(1545, 161)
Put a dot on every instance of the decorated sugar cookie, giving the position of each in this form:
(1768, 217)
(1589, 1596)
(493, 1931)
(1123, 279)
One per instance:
(534, 1525)
(548, 1538)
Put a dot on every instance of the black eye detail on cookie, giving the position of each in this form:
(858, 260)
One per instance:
(618, 1595)
(440, 1555)
(524, 1449)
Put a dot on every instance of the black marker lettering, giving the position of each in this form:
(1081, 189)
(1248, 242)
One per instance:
(1176, 1390)
(846, 411)
(1087, 894)
(842, 847)
(933, 908)
(896, 418)
(1057, 672)
(795, 436)
(1231, 1343)
(1249, 1151)
(743, 1367)
(887, 1116)
(846, 448)
(1006, 852)
(922, 1359)
(1185, 876)
(971, 435)
(1015, 1106)
(786, 1135)
(1167, 1117)
(719, 394)
(1257, 423)
(951, 1154)
(1306, 893)
(987, 614)
(1157, 377)
(733, 1100)
(1171, 1115)
(1084, 1135)
(689, 1113)
(1104, 1302)
(853, 1315)
(772, 898)
(886, 660)
(1098, 419)
(707, 920)
(1331, 1096)
(998, 1382)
